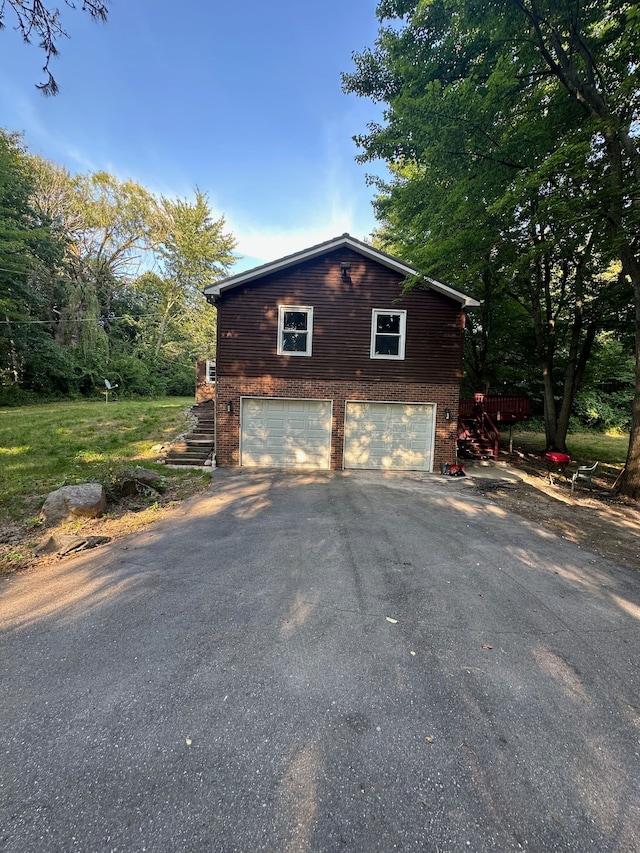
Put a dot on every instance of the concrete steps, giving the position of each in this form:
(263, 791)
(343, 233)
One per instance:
(197, 446)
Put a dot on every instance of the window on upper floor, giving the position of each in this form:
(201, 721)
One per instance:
(295, 329)
(388, 333)
(210, 374)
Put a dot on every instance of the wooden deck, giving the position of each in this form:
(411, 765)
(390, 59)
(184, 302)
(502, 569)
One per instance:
(478, 420)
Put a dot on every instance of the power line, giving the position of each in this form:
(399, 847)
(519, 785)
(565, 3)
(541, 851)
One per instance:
(79, 320)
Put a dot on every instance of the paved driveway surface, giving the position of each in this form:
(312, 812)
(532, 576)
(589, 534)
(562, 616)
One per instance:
(325, 662)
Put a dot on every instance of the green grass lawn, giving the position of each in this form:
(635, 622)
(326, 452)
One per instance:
(584, 447)
(57, 444)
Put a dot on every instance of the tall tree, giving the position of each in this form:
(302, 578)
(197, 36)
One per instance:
(109, 226)
(195, 251)
(465, 77)
(593, 50)
(33, 19)
(100, 278)
(28, 249)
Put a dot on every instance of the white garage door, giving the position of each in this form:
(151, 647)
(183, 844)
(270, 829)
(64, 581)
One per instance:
(284, 433)
(390, 436)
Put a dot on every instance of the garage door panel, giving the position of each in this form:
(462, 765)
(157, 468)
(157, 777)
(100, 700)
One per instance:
(285, 433)
(274, 442)
(389, 436)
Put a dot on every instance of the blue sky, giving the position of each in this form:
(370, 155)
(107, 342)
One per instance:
(241, 99)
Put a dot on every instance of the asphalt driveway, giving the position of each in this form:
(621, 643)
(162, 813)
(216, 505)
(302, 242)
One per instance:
(323, 662)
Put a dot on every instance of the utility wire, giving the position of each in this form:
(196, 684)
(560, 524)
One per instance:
(79, 320)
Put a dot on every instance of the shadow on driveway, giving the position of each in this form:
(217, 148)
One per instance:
(323, 661)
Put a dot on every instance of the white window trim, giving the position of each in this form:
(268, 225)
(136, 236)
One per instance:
(209, 365)
(309, 312)
(402, 335)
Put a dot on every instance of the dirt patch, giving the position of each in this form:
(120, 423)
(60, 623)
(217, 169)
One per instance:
(125, 516)
(596, 520)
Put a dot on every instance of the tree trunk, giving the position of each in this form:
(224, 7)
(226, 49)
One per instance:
(630, 481)
(573, 380)
(545, 336)
(550, 420)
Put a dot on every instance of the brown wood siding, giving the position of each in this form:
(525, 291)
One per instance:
(248, 325)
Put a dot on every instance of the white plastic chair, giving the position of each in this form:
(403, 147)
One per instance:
(584, 473)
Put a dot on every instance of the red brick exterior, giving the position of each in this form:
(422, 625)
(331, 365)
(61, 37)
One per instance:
(231, 389)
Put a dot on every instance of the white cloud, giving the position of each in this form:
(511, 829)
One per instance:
(336, 207)
(264, 244)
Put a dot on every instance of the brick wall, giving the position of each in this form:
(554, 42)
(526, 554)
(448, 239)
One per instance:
(204, 390)
(231, 390)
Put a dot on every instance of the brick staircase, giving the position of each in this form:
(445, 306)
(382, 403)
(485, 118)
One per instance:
(197, 446)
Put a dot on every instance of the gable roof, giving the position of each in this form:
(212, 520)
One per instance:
(345, 240)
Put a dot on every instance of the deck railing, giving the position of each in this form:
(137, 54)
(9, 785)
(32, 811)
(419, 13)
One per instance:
(501, 408)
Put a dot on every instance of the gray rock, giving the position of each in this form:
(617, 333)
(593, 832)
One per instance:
(87, 500)
(130, 481)
(63, 543)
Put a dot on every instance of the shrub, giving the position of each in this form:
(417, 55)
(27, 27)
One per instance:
(606, 412)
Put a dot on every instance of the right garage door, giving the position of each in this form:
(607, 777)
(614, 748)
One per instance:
(389, 436)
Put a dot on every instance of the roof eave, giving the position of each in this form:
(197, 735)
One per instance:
(308, 254)
(462, 298)
(213, 291)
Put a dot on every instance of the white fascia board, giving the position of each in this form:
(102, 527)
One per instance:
(466, 301)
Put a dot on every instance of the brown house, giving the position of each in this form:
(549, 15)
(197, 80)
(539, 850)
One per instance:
(205, 381)
(322, 362)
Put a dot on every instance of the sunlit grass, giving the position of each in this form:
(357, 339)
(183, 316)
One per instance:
(585, 447)
(45, 447)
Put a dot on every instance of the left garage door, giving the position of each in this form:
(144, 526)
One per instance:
(285, 433)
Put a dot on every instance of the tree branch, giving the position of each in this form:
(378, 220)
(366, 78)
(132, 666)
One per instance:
(36, 18)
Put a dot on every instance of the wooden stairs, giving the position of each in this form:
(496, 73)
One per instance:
(474, 442)
(197, 447)
(478, 420)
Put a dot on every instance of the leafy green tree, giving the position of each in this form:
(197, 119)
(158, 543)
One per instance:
(177, 326)
(499, 222)
(34, 19)
(605, 399)
(533, 105)
(101, 279)
(593, 51)
(29, 248)
(109, 227)
(194, 251)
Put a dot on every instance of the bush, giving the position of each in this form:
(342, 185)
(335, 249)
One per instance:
(181, 382)
(605, 412)
(134, 377)
(534, 424)
(14, 395)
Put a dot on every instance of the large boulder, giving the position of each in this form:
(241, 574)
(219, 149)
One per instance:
(87, 500)
(131, 481)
